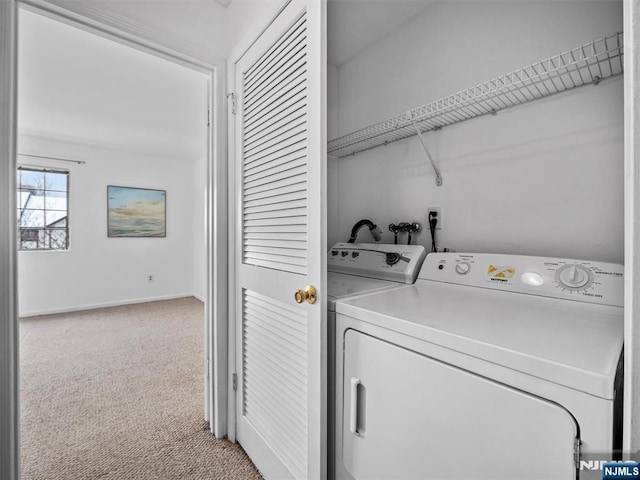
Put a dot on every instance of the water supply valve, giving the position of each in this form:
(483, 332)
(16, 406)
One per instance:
(409, 228)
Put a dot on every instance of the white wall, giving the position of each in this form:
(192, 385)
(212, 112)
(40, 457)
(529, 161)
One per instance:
(544, 178)
(97, 270)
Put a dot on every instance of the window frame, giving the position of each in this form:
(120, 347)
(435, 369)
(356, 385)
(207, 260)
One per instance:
(20, 230)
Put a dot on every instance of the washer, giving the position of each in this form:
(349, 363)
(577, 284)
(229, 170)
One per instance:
(356, 269)
(363, 268)
(489, 367)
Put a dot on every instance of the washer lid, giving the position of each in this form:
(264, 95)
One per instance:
(341, 285)
(566, 342)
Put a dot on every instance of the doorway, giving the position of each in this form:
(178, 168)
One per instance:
(109, 114)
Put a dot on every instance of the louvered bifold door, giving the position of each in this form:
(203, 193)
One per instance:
(274, 176)
(280, 174)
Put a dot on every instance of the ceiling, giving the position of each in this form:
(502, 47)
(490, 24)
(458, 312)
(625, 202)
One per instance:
(354, 25)
(79, 87)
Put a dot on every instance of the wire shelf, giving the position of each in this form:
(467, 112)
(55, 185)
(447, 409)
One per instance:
(584, 65)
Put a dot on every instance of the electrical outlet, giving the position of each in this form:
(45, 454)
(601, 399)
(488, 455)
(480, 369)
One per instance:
(150, 278)
(438, 212)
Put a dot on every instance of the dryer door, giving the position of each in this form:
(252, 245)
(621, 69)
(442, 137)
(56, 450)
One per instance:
(408, 416)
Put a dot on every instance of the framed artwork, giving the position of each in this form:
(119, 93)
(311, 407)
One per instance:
(136, 212)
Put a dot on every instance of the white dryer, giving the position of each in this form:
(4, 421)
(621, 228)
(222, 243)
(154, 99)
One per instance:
(488, 367)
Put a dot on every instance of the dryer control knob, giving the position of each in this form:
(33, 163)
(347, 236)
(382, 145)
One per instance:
(574, 277)
(463, 268)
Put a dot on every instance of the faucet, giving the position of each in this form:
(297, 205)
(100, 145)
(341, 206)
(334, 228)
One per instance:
(373, 228)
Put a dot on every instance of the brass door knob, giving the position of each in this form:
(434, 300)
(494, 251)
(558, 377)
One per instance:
(308, 294)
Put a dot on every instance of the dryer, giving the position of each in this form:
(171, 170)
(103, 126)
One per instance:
(489, 367)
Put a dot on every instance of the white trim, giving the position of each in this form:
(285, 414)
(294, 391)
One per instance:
(631, 429)
(9, 392)
(95, 306)
(198, 297)
(318, 388)
(208, 312)
(219, 258)
(106, 23)
(231, 242)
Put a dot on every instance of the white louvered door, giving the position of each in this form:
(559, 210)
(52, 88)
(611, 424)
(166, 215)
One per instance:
(280, 154)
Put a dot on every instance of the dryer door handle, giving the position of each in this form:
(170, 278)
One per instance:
(353, 414)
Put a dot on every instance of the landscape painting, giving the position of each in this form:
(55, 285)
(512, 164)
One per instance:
(136, 212)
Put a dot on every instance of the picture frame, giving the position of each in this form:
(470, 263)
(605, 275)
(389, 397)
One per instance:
(136, 212)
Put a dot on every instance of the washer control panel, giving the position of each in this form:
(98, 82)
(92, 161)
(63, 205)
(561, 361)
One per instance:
(586, 281)
(398, 263)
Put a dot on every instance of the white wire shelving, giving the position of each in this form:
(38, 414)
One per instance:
(584, 65)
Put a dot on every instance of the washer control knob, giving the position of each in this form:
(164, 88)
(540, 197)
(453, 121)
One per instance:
(574, 277)
(392, 258)
(463, 268)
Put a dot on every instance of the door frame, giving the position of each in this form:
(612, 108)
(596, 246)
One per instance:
(114, 27)
(9, 413)
(631, 426)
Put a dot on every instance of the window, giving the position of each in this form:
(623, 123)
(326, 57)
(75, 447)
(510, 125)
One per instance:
(43, 218)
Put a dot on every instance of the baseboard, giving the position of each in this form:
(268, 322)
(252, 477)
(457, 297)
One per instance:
(94, 306)
(199, 297)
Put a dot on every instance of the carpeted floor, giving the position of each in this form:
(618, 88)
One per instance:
(117, 394)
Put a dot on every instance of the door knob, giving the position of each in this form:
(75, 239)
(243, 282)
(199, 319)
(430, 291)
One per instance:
(308, 294)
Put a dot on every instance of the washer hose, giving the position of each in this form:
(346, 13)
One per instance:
(373, 228)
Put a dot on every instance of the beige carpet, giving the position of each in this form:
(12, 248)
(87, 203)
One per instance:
(117, 393)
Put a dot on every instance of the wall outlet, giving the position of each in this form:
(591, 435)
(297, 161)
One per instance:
(438, 212)
(150, 278)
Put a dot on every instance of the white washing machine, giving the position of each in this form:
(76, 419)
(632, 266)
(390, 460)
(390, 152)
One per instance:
(488, 367)
(363, 268)
(356, 269)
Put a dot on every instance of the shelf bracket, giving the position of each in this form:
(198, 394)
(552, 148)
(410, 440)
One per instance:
(433, 163)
